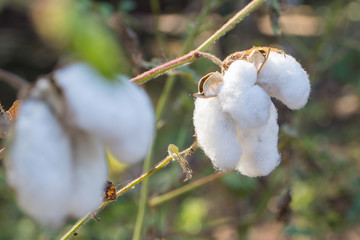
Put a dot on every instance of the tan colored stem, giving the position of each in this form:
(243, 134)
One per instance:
(194, 55)
(12, 79)
(191, 186)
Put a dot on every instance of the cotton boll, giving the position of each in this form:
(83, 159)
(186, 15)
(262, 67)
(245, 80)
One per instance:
(216, 134)
(89, 174)
(241, 74)
(260, 154)
(283, 77)
(120, 113)
(138, 120)
(38, 163)
(248, 104)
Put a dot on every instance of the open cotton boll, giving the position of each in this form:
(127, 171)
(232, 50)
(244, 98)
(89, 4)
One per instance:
(216, 134)
(248, 104)
(89, 174)
(283, 77)
(260, 153)
(38, 163)
(119, 113)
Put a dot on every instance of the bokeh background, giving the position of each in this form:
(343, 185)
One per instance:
(313, 194)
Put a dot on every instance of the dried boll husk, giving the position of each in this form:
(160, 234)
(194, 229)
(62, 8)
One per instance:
(118, 112)
(208, 85)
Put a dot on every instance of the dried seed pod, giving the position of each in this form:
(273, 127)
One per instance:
(13, 111)
(264, 51)
(208, 85)
(258, 58)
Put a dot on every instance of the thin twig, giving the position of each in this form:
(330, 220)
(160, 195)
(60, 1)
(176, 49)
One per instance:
(230, 24)
(129, 186)
(191, 186)
(194, 55)
(213, 58)
(13, 80)
(2, 110)
(190, 57)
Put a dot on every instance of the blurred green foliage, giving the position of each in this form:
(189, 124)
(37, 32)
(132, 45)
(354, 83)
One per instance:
(75, 28)
(319, 144)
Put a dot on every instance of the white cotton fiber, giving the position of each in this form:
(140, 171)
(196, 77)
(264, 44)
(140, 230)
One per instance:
(248, 104)
(89, 170)
(138, 121)
(38, 163)
(119, 113)
(216, 134)
(260, 153)
(283, 77)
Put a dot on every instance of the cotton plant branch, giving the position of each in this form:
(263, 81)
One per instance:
(129, 186)
(194, 55)
(189, 187)
(13, 80)
(16, 82)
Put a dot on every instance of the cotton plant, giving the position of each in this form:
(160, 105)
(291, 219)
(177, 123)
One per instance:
(55, 156)
(235, 120)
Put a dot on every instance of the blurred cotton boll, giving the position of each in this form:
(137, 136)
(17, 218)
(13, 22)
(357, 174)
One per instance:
(39, 163)
(118, 112)
(56, 160)
(283, 77)
(89, 169)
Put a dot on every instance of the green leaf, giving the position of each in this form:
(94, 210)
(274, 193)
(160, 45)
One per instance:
(73, 28)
